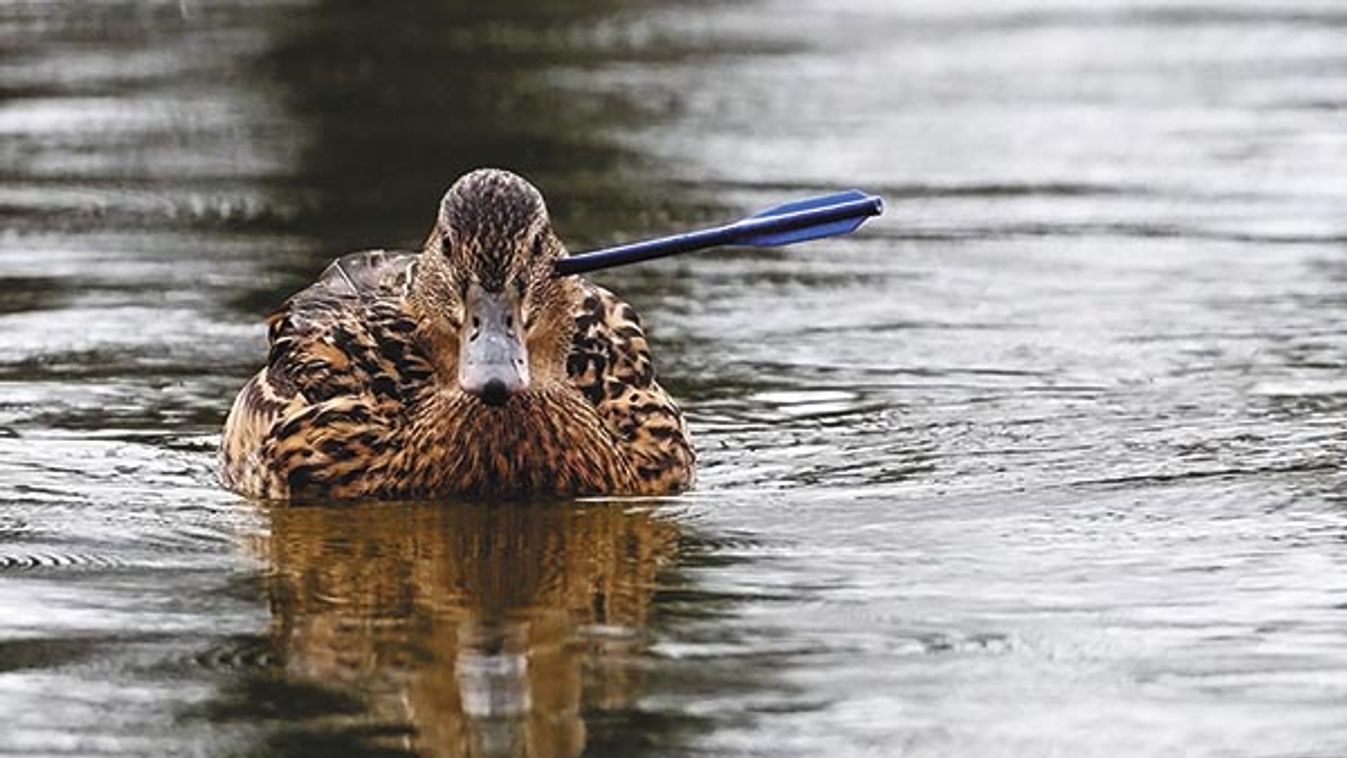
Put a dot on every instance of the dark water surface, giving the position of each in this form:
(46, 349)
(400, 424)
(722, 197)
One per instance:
(1048, 461)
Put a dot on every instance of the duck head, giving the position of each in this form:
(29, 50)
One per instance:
(486, 280)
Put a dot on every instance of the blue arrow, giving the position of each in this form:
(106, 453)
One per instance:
(796, 221)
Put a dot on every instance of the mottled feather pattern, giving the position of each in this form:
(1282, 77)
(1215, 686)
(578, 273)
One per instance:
(610, 364)
(340, 363)
(350, 405)
(489, 211)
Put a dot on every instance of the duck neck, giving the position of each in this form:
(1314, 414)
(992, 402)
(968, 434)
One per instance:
(541, 442)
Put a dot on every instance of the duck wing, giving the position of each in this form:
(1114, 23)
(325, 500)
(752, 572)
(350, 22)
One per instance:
(340, 355)
(610, 364)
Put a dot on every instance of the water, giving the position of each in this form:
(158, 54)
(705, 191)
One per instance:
(1047, 461)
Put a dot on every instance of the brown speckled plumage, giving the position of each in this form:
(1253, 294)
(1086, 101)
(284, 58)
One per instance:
(361, 398)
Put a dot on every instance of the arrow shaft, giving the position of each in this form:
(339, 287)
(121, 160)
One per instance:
(647, 250)
(729, 234)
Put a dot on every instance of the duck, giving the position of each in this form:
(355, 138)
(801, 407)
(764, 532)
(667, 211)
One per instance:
(467, 368)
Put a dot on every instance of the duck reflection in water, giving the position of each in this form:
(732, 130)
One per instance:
(472, 629)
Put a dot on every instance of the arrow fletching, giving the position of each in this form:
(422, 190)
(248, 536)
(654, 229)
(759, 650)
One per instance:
(847, 200)
(796, 221)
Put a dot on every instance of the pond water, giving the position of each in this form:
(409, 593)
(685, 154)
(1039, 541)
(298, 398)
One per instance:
(1046, 461)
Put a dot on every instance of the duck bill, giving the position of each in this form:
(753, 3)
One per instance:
(493, 361)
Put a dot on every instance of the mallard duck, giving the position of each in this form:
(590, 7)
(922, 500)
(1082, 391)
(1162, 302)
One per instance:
(468, 368)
